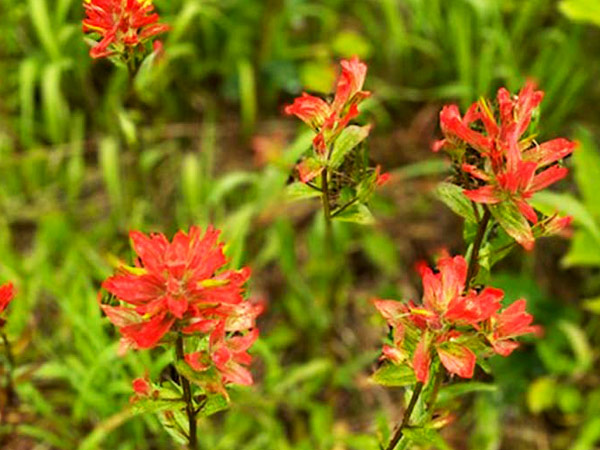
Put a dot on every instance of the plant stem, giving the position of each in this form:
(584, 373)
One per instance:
(406, 418)
(326, 209)
(342, 208)
(439, 377)
(10, 387)
(187, 397)
(474, 261)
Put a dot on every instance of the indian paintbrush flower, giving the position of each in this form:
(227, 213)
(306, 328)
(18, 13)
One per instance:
(452, 322)
(122, 25)
(181, 288)
(329, 119)
(503, 166)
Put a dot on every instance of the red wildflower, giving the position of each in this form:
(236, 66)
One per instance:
(328, 120)
(122, 24)
(511, 167)
(175, 284)
(229, 354)
(7, 293)
(449, 321)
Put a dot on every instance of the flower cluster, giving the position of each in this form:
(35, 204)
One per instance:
(7, 293)
(501, 165)
(178, 288)
(453, 322)
(123, 25)
(330, 119)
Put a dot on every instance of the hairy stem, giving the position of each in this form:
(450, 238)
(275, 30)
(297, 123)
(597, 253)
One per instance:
(326, 208)
(474, 261)
(187, 397)
(406, 418)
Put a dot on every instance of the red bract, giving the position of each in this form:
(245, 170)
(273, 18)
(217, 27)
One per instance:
(328, 120)
(177, 285)
(507, 167)
(122, 24)
(451, 321)
(514, 321)
(228, 354)
(7, 293)
(141, 386)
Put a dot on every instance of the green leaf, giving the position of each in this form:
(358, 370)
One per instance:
(586, 159)
(168, 398)
(426, 437)
(540, 395)
(581, 10)
(214, 404)
(394, 376)
(582, 350)
(584, 250)
(346, 141)
(513, 222)
(176, 424)
(356, 214)
(456, 390)
(452, 195)
(300, 191)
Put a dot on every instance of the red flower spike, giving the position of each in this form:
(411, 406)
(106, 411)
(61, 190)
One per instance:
(328, 120)
(511, 165)
(451, 321)
(179, 283)
(7, 293)
(122, 24)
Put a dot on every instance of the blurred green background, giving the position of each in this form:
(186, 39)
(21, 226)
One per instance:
(84, 159)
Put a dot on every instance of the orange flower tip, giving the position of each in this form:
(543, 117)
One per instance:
(141, 386)
(436, 146)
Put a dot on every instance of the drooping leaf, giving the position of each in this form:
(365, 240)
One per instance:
(356, 214)
(300, 191)
(347, 140)
(452, 195)
(392, 375)
(513, 222)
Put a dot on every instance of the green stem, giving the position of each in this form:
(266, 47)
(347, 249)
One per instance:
(326, 209)
(439, 377)
(187, 398)
(477, 243)
(406, 418)
(344, 207)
